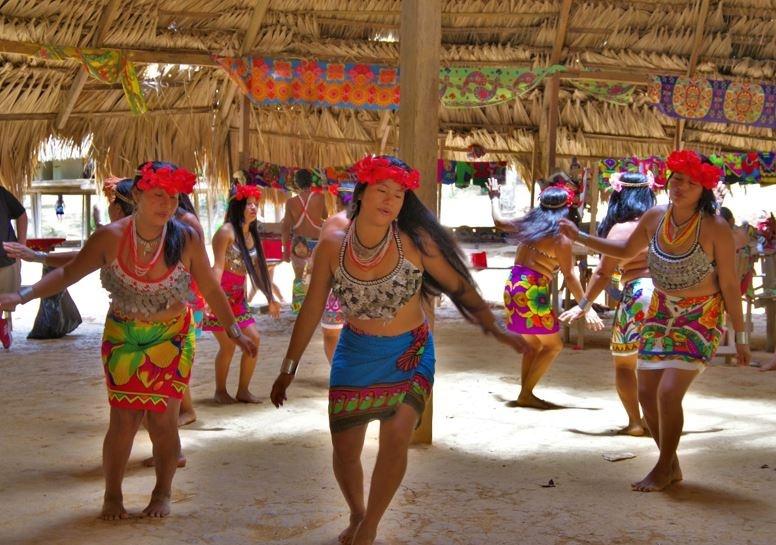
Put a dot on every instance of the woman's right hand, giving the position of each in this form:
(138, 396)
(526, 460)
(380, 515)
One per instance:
(19, 251)
(493, 188)
(278, 394)
(574, 313)
(568, 229)
(246, 345)
(513, 340)
(8, 301)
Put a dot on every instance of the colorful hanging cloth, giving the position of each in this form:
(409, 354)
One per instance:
(267, 81)
(716, 101)
(473, 87)
(106, 65)
(465, 173)
(739, 168)
(616, 93)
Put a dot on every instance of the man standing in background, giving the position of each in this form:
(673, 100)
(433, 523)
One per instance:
(10, 269)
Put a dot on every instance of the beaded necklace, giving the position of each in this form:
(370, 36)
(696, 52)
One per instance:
(364, 257)
(142, 270)
(682, 233)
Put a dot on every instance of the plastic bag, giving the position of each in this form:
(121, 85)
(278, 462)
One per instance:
(57, 316)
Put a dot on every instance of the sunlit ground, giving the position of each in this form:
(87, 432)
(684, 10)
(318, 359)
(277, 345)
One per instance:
(260, 475)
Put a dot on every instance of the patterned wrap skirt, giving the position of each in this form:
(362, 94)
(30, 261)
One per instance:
(146, 363)
(372, 375)
(333, 317)
(234, 287)
(528, 303)
(681, 332)
(631, 310)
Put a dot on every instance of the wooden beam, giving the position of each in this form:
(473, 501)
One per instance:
(548, 129)
(106, 18)
(697, 42)
(47, 116)
(421, 44)
(259, 10)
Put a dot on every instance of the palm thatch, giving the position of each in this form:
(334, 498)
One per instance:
(187, 98)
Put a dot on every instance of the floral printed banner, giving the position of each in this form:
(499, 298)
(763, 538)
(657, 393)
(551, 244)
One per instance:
(266, 81)
(768, 168)
(473, 87)
(106, 65)
(739, 168)
(616, 93)
(464, 173)
(716, 101)
(267, 174)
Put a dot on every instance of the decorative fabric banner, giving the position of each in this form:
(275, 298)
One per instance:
(716, 101)
(768, 168)
(607, 167)
(106, 65)
(740, 168)
(267, 81)
(472, 87)
(616, 93)
(464, 173)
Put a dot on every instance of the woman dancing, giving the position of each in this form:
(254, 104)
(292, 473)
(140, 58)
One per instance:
(148, 342)
(238, 253)
(391, 257)
(541, 252)
(632, 195)
(691, 258)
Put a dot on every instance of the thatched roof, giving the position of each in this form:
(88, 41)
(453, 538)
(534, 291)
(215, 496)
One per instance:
(185, 125)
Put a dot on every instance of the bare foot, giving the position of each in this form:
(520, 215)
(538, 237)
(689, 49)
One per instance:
(634, 430)
(655, 481)
(533, 402)
(676, 475)
(159, 506)
(247, 397)
(186, 418)
(149, 462)
(113, 509)
(770, 366)
(346, 537)
(223, 398)
(364, 535)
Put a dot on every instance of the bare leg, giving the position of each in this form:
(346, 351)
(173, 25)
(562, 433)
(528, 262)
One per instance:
(247, 366)
(187, 414)
(330, 340)
(349, 473)
(627, 388)
(672, 387)
(551, 345)
(389, 470)
(163, 429)
(115, 452)
(223, 360)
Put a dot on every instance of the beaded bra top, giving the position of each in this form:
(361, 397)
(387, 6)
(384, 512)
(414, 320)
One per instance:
(376, 299)
(234, 259)
(130, 294)
(678, 272)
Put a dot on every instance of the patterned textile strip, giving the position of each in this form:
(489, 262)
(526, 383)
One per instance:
(106, 65)
(613, 92)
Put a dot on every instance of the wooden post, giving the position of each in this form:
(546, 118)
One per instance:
(244, 138)
(36, 214)
(420, 37)
(88, 211)
(700, 28)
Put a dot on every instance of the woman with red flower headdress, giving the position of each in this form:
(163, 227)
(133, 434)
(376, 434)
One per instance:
(237, 254)
(691, 258)
(541, 253)
(147, 262)
(387, 260)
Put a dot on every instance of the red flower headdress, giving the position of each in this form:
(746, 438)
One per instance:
(172, 180)
(688, 162)
(560, 180)
(245, 192)
(371, 170)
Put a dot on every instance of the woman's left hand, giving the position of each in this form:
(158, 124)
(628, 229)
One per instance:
(493, 188)
(8, 301)
(274, 309)
(594, 323)
(743, 355)
(514, 340)
(246, 345)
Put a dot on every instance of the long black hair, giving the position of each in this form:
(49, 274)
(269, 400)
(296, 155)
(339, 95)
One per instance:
(419, 224)
(235, 214)
(123, 196)
(542, 221)
(177, 232)
(628, 204)
(185, 204)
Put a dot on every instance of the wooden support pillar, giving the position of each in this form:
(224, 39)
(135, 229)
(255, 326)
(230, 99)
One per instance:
(420, 37)
(36, 218)
(244, 138)
(700, 28)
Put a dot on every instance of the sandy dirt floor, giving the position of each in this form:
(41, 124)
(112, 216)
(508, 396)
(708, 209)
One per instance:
(260, 475)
